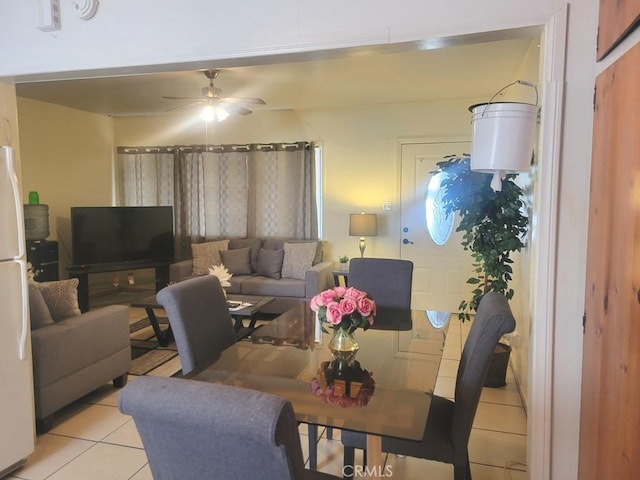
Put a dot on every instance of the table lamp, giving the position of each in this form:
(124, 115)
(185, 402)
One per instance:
(363, 225)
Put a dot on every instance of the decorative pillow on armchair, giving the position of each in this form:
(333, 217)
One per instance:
(207, 255)
(298, 258)
(61, 298)
(38, 311)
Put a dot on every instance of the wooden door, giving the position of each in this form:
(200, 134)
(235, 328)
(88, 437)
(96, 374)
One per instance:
(610, 413)
(617, 19)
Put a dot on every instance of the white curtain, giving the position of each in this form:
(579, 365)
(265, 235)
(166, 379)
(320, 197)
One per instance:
(227, 190)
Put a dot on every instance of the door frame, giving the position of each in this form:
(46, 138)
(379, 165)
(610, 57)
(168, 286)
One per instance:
(543, 253)
(539, 415)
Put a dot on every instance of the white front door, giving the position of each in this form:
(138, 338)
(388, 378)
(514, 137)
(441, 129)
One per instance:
(440, 272)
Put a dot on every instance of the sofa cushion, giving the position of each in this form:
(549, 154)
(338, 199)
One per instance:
(270, 263)
(236, 282)
(253, 243)
(61, 298)
(298, 258)
(285, 287)
(238, 261)
(38, 310)
(206, 255)
(274, 243)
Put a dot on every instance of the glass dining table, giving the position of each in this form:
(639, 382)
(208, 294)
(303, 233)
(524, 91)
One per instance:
(385, 389)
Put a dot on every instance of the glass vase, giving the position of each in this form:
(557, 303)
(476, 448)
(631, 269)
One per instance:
(343, 345)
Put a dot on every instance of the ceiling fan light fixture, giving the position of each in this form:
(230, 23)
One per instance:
(221, 114)
(208, 114)
(213, 112)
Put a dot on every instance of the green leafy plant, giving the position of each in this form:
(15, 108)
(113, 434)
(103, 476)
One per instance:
(343, 259)
(492, 223)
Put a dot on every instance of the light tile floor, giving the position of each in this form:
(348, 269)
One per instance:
(93, 440)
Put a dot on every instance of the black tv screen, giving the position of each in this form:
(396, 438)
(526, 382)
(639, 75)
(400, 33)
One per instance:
(103, 235)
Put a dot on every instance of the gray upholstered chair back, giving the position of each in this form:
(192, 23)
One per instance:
(493, 319)
(200, 320)
(198, 430)
(386, 280)
(448, 428)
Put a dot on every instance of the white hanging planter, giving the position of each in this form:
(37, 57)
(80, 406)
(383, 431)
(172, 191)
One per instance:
(503, 135)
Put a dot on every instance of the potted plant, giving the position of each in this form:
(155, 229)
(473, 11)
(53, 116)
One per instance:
(493, 227)
(343, 263)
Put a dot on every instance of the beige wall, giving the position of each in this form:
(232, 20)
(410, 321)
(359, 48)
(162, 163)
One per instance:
(67, 157)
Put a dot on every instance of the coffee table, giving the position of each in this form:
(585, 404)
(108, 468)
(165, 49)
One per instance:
(250, 312)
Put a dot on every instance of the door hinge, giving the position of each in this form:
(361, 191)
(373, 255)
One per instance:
(584, 322)
(594, 98)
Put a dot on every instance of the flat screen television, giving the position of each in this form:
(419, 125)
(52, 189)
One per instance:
(114, 235)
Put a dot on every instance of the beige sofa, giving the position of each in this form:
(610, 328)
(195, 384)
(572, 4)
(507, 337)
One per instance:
(290, 270)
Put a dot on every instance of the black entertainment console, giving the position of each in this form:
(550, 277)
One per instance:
(82, 272)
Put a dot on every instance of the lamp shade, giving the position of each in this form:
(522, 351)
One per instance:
(363, 225)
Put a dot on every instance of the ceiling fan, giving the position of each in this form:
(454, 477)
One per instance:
(217, 106)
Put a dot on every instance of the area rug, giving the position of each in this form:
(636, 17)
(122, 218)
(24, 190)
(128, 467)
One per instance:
(151, 360)
(144, 322)
(147, 357)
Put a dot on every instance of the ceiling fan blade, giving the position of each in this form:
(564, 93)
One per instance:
(184, 106)
(183, 98)
(251, 100)
(237, 109)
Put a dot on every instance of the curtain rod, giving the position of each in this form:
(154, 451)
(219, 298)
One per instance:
(277, 146)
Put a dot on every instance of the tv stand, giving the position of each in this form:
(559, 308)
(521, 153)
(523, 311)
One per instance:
(82, 272)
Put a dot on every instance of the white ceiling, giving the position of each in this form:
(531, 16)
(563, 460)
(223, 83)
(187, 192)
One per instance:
(457, 72)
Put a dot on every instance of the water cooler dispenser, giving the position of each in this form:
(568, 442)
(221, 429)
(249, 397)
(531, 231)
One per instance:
(41, 253)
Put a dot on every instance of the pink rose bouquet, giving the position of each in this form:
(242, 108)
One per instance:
(347, 308)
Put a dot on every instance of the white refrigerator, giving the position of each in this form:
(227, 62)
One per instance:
(17, 430)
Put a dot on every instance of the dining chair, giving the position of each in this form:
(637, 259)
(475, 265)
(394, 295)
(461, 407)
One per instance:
(446, 435)
(386, 280)
(198, 430)
(200, 320)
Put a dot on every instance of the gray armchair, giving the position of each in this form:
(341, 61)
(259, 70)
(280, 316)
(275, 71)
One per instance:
(449, 424)
(73, 356)
(198, 430)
